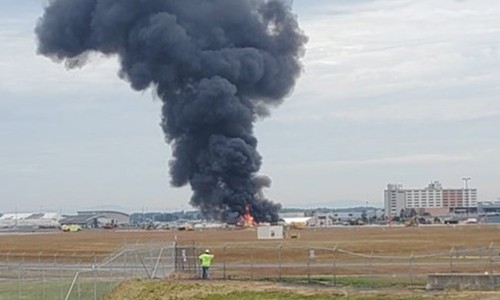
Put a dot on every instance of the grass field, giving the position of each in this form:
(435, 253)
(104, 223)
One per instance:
(232, 245)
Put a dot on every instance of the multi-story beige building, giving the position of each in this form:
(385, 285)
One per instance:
(395, 199)
(432, 199)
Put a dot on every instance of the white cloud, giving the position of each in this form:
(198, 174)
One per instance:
(21, 70)
(379, 54)
(406, 160)
(424, 111)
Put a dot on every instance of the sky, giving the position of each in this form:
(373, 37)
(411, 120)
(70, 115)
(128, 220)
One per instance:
(393, 91)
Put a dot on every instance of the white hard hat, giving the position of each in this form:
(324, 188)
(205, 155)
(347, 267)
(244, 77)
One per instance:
(207, 251)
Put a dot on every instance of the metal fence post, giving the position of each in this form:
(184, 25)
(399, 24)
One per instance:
(224, 261)
(42, 271)
(173, 258)
(280, 260)
(151, 265)
(61, 282)
(481, 256)
(110, 277)
(125, 265)
(490, 256)
(78, 289)
(370, 266)
(309, 265)
(411, 268)
(19, 287)
(451, 259)
(54, 262)
(334, 266)
(133, 263)
(252, 250)
(195, 259)
(94, 267)
(178, 264)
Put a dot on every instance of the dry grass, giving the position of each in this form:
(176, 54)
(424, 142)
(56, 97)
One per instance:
(202, 290)
(376, 240)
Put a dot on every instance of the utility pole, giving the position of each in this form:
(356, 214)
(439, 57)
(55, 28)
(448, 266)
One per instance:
(367, 216)
(466, 181)
(467, 195)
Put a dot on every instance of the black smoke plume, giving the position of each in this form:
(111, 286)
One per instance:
(217, 65)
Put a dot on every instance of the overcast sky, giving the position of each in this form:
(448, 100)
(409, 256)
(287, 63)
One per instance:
(395, 91)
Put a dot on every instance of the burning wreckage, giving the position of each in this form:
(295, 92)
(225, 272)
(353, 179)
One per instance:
(217, 66)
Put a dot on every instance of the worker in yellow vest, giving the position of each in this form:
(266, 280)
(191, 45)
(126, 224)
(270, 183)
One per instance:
(206, 262)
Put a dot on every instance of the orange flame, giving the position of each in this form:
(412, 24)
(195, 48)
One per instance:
(247, 218)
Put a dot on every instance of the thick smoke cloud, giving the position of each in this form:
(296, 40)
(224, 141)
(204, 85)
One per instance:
(217, 65)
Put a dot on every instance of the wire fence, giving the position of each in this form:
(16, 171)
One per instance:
(285, 262)
(45, 276)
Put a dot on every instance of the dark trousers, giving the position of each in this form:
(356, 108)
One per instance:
(204, 272)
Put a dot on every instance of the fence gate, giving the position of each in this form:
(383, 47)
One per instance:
(186, 259)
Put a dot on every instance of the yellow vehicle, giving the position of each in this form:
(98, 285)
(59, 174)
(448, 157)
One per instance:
(71, 228)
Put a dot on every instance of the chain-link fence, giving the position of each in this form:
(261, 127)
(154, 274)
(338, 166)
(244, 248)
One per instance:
(45, 276)
(287, 262)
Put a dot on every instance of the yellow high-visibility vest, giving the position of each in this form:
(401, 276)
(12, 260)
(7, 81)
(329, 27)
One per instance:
(206, 259)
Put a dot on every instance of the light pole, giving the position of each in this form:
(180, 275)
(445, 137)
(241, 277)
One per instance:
(466, 180)
(466, 193)
(367, 215)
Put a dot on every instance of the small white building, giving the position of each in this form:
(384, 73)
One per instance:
(270, 232)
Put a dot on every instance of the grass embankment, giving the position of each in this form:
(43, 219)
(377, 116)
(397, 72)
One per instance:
(374, 282)
(51, 290)
(230, 290)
